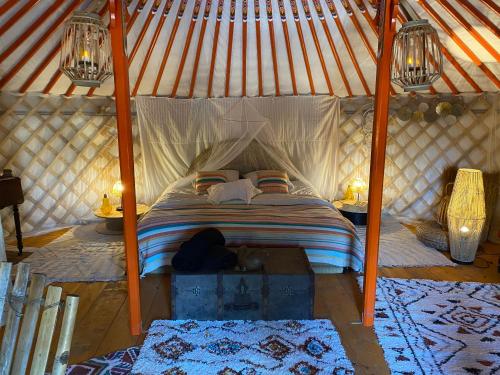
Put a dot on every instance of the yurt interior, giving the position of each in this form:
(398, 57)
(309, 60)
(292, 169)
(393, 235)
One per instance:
(249, 187)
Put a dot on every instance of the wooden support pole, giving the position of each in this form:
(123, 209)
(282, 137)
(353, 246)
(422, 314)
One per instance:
(126, 156)
(28, 326)
(14, 312)
(377, 162)
(66, 335)
(46, 331)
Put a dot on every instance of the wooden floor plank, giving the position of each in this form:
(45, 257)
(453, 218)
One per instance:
(102, 320)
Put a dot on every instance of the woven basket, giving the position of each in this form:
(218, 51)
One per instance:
(442, 212)
(431, 235)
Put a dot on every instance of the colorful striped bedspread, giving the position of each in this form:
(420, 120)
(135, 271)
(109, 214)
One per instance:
(271, 220)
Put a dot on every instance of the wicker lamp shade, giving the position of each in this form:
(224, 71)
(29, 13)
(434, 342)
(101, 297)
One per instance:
(466, 215)
(86, 50)
(417, 61)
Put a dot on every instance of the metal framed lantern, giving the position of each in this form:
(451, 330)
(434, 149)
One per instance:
(417, 60)
(86, 50)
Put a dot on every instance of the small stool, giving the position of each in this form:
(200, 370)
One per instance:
(432, 235)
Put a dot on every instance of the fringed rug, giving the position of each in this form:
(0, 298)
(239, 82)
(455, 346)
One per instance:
(80, 255)
(115, 363)
(242, 347)
(432, 327)
(399, 247)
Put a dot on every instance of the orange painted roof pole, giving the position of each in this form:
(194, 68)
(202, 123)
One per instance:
(126, 157)
(377, 162)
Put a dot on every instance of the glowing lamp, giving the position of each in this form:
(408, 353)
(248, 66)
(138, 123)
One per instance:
(417, 60)
(466, 215)
(117, 191)
(358, 186)
(86, 50)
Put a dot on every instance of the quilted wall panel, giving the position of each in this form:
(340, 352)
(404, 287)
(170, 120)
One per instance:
(65, 150)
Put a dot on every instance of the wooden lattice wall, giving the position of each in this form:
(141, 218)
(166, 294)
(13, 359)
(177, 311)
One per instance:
(65, 150)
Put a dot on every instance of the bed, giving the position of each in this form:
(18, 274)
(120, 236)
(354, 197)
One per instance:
(297, 219)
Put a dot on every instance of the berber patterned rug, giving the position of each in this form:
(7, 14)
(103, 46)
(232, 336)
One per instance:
(436, 327)
(186, 347)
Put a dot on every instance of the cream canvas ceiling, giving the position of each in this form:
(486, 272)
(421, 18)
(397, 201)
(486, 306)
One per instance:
(294, 53)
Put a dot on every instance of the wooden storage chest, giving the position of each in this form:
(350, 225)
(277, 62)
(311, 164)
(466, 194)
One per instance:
(283, 289)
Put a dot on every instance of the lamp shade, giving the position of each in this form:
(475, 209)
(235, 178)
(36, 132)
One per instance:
(358, 185)
(417, 60)
(86, 50)
(117, 189)
(466, 215)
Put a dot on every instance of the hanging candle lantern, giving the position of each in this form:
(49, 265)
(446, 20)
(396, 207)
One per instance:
(417, 61)
(86, 50)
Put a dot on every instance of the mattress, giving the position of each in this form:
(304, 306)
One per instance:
(298, 219)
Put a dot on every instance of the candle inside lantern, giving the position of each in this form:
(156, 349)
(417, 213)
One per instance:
(464, 231)
(85, 56)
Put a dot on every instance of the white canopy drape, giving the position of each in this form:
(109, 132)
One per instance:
(299, 134)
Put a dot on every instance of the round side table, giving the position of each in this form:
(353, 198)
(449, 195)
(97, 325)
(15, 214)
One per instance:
(113, 221)
(356, 212)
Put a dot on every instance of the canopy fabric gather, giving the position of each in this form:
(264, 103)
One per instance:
(296, 134)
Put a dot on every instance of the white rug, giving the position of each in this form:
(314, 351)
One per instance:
(437, 327)
(399, 247)
(242, 347)
(80, 255)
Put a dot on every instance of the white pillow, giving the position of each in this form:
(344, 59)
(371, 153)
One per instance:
(253, 176)
(240, 190)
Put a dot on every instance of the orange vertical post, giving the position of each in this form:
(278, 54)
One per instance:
(377, 162)
(126, 156)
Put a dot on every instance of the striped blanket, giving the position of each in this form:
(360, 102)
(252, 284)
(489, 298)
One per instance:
(271, 220)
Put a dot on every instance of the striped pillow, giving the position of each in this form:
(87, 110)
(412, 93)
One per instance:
(272, 181)
(205, 179)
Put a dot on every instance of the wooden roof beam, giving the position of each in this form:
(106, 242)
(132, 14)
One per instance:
(463, 22)
(314, 34)
(232, 11)
(272, 39)
(298, 26)
(38, 44)
(321, 16)
(165, 11)
(187, 44)
(30, 30)
(17, 16)
(215, 43)
(494, 7)
(130, 20)
(8, 4)
(259, 47)
(171, 38)
(459, 42)
(244, 19)
(480, 17)
(201, 37)
(345, 38)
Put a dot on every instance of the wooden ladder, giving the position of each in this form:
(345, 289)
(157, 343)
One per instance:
(20, 312)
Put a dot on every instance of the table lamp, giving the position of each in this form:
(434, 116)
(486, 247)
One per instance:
(118, 192)
(466, 215)
(358, 186)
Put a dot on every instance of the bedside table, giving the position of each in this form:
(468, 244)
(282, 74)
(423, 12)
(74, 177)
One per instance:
(113, 221)
(355, 212)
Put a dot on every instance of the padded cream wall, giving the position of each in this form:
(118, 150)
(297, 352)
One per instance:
(65, 150)
(419, 153)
